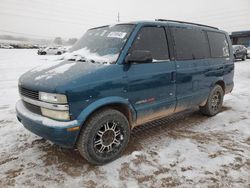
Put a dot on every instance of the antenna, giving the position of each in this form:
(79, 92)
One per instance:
(118, 17)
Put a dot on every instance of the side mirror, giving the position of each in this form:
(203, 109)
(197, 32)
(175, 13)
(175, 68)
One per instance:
(139, 56)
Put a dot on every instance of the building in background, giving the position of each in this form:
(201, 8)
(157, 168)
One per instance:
(241, 38)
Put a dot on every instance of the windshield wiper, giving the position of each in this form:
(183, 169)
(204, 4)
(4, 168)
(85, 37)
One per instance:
(76, 58)
(83, 59)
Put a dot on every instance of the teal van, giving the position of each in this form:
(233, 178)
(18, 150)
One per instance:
(121, 76)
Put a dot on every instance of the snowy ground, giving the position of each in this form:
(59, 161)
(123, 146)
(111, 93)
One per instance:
(184, 151)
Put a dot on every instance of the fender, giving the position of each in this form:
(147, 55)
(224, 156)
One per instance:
(104, 102)
(217, 79)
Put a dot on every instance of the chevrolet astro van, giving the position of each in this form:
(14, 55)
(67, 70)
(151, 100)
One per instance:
(120, 76)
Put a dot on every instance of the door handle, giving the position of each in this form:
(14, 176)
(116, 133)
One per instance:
(173, 76)
(220, 68)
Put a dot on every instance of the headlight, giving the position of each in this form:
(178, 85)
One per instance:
(53, 98)
(54, 114)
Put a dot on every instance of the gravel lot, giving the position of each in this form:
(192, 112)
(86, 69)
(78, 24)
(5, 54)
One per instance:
(186, 150)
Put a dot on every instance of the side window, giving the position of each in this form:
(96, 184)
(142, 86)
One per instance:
(152, 39)
(218, 44)
(190, 44)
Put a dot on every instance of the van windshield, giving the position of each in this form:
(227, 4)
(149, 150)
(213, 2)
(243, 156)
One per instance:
(101, 45)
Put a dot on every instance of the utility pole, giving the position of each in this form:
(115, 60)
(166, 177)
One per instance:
(118, 17)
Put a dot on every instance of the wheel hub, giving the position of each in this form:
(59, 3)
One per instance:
(108, 137)
(215, 101)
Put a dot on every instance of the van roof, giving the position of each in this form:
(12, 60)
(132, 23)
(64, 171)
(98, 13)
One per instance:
(173, 22)
(164, 22)
(184, 22)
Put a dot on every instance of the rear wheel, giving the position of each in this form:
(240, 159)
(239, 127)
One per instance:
(244, 58)
(104, 136)
(214, 102)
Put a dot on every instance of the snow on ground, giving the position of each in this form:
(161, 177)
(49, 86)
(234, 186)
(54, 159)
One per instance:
(185, 150)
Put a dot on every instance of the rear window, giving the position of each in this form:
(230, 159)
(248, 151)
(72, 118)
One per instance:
(190, 44)
(218, 44)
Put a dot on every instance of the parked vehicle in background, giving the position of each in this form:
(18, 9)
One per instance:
(119, 77)
(248, 52)
(6, 46)
(240, 52)
(64, 49)
(51, 51)
(40, 50)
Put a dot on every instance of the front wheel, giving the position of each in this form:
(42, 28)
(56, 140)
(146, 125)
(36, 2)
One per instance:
(214, 102)
(104, 136)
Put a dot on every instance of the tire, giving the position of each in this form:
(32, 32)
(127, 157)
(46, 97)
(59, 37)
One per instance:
(59, 53)
(244, 58)
(104, 137)
(234, 59)
(214, 102)
(43, 53)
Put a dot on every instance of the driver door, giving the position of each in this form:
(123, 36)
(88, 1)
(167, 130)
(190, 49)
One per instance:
(151, 85)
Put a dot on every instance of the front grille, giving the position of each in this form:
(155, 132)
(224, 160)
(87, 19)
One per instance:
(33, 108)
(29, 93)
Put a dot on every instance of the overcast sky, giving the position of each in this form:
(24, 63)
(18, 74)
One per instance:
(65, 18)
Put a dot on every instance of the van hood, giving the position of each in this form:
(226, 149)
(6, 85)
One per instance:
(58, 75)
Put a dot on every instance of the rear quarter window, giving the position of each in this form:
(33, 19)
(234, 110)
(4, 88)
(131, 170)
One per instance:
(218, 44)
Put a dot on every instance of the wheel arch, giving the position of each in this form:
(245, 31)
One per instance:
(219, 82)
(222, 84)
(117, 103)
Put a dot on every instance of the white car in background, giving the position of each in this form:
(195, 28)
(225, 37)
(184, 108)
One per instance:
(52, 51)
(5, 46)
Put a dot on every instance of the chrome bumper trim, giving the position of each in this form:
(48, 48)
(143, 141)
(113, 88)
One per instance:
(59, 107)
(23, 112)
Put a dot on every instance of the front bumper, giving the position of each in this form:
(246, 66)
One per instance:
(55, 131)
